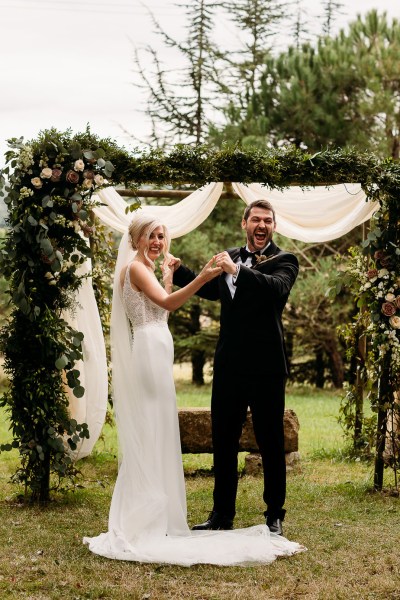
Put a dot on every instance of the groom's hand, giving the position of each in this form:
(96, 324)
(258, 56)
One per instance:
(224, 261)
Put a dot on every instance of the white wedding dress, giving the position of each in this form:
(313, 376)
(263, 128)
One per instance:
(147, 520)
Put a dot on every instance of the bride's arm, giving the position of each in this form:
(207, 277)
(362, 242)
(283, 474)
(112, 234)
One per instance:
(146, 282)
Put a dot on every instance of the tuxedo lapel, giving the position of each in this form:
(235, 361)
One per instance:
(234, 253)
(271, 250)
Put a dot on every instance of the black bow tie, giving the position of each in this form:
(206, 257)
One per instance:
(244, 255)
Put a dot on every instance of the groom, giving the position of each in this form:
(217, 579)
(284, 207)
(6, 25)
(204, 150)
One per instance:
(250, 364)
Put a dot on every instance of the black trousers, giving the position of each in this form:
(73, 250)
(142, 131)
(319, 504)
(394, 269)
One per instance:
(266, 399)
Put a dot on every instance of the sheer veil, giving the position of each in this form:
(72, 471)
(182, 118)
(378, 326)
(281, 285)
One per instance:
(121, 343)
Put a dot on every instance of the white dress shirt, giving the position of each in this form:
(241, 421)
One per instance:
(231, 279)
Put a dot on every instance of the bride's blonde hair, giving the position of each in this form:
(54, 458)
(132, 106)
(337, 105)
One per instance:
(145, 224)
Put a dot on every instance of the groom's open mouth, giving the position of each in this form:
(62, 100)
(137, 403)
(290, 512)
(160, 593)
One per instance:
(260, 236)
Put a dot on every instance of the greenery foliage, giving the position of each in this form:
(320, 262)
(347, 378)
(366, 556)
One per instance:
(48, 194)
(373, 274)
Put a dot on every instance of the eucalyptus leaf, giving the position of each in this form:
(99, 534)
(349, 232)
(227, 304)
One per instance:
(46, 246)
(32, 221)
(99, 153)
(78, 391)
(61, 362)
(47, 201)
(75, 150)
(56, 266)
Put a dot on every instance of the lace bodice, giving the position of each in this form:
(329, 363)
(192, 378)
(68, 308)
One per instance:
(139, 308)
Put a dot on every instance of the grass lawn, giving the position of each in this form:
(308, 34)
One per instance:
(352, 534)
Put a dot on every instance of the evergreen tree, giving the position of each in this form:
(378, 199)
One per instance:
(178, 105)
(300, 29)
(332, 10)
(341, 91)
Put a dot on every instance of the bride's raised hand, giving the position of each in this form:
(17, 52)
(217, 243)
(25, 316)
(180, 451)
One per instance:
(210, 270)
(172, 262)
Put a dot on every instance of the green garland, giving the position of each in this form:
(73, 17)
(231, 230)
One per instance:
(48, 186)
(48, 195)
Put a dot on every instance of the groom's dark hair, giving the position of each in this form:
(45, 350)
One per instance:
(258, 203)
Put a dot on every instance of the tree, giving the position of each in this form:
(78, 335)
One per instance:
(257, 22)
(300, 28)
(332, 10)
(181, 103)
(376, 45)
(340, 91)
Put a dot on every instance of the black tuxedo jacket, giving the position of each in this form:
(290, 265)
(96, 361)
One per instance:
(251, 332)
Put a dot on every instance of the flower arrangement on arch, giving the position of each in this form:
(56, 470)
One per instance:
(377, 286)
(48, 191)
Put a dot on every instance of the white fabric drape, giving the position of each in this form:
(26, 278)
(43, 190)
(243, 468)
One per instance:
(92, 407)
(312, 215)
(180, 218)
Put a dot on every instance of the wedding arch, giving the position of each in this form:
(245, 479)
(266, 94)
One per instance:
(58, 186)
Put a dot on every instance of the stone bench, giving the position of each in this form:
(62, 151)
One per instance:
(195, 430)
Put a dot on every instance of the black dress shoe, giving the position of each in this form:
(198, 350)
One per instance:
(215, 521)
(274, 525)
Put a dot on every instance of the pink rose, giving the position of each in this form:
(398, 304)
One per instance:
(72, 177)
(395, 322)
(372, 273)
(56, 175)
(98, 179)
(379, 254)
(36, 182)
(386, 261)
(388, 309)
(88, 174)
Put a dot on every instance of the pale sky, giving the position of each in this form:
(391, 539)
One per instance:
(69, 62)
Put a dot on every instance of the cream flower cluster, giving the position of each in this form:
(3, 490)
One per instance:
(382, 288)
(90, 181)
(25, 158)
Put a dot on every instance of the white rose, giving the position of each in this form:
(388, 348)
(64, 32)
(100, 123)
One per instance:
(79, 165)
(36, 182)
(390, 297)
(98, 179)
(383, 273)
(87, 183)
(395, 322)
(46, 173)
(49, 275)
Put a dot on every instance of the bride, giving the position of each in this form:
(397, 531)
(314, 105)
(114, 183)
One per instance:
(147, 519)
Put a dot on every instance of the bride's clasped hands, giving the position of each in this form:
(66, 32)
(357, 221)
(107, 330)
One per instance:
(170, 264)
